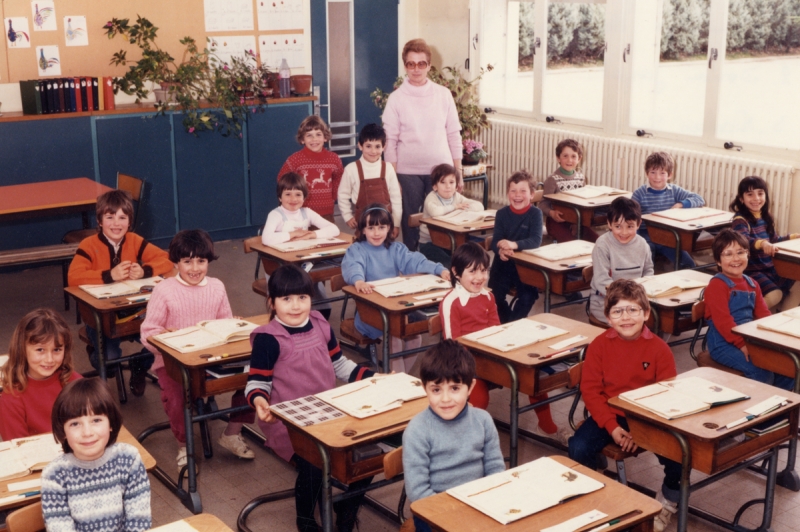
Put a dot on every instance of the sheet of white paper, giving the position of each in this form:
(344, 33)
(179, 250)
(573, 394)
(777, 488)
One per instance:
(25, 485)
(515, 335)
(190, 339)
(703, 390)
(298, 245)
(75, 31)
(177, 526)
(563, 251)
(657, 285)
(17, 28)
(228, 15)
(765, 406)
(227, 46)
(431, 295)
(374, 395)
(44, 16)
(274, 48)
(685, 215)
(225, 327)
(410, 285)
(577, 522)
(789, 245)
(461, 217)
(48, 61)
(283, 15)
(568, 342)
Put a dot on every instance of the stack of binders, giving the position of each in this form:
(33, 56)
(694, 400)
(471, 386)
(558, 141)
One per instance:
(66, 95)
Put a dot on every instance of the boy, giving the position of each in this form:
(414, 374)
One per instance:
(382, 188)
(733, 298)
(448, 443)
(625, 357)
(618, 254)
(115, 254)
(321, 169)
(660, 195)
(517, 226)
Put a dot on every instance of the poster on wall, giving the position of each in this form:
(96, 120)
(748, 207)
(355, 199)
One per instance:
(291, 46)
(225, 47)
(48, 61)
(44, 15)
(228, 15)
(75, 33)
(17, 33)
(280, 15)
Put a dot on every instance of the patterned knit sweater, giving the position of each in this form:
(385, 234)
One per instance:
(322, 171)
(759, 264)
(110, 494)
(559, 182)
(652, 200)
(93, 261)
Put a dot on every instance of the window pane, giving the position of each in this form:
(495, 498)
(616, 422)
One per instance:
(573, 83)
(669, 68)
(340, 70)
(758, 93)
(507, 45)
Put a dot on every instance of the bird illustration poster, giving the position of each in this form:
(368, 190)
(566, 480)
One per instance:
(44, 15)
(48, 60)
(75, 33)
(17, 33)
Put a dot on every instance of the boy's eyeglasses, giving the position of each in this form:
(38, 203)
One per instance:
(422, 65)
(742, 253)
(632, 311)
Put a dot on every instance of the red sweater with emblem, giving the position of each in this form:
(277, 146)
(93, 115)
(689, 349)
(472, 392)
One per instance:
(459, 319)
(322, 171)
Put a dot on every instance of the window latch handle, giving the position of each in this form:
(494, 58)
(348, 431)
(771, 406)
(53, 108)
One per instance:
(712, 56)
(626, 52)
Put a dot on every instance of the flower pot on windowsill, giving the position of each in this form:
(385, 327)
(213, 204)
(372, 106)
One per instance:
(474, 157)
(164, 94)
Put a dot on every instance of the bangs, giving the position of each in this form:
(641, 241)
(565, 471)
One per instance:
(378, 217)
(289, 280)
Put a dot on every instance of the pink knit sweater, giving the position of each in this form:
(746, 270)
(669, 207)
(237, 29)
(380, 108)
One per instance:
(422, 128)
(174, 305)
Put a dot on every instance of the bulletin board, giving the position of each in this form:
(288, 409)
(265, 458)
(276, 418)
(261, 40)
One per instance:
(282, 24)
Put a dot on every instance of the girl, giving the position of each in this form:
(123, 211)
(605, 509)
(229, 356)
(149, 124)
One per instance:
(39, 366)
(566, 177)
(470, 307)
(753, 220)
(97, 485)
(443, 200)
(375, 256)
(296, 354)
(183, 301)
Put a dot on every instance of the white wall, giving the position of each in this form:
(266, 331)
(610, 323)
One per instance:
(444, 24)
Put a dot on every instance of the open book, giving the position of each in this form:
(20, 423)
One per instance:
(122, 288)
(792, 246)
(787, 322)
(22, 456)
(524, 490)
(461, 217)
(298, 245)
(403, 286)
(668, 284)
(207, 334)
(515, 334)
(681, 397)
(593, 191)
(374, 395)
(684, 215)
(562, 250)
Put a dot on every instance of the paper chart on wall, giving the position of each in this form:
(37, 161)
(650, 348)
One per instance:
(44, 15)
(291, 46)
(48, 60)
(228, 15)
(228, 46)
(280, 15)
(75, 31)
(18, 35)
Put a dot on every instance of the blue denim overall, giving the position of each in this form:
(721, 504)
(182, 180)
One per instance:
(742, 307)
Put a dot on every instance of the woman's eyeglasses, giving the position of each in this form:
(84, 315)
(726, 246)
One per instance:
(411, 65)
(632, 311)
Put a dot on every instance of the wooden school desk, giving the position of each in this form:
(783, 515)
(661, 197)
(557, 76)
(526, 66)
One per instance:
(695, 443)
(450, 236)
(667, 310)
(190, 370)
(272, 259)
(636, 510)
(551, 276)
(329, 446)
(581, 211)
(519, 370)
(48, 198)
(787, 264)
(668, 232)
(124, 437)
(201, 523)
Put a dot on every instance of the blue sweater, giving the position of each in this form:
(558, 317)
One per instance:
(439, 455)
(524, 229)
(365, 262)
(652, 200)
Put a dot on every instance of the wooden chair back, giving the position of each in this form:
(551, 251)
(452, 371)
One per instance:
(27, 519)
(393, 463)
(588, 273)
(435, 325)
(698, 310)
(248, 243)
(132, 185)
(414, 219)
(337, 283)
(537, 196)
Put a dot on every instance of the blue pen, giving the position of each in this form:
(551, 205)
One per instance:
(30, 493)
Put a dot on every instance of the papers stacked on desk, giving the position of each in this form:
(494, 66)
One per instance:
(374, 395)
(515, 335)
(403, 286)
(177, 526)
(563, 250)
(298, 245)
(122, 288)
(593, 191)
(207, 334)
(668, 284)
(22, 456)
(682, 397)
(524, 490)
(792, 246)
(461, 217)
(787, 322)
(685, 215)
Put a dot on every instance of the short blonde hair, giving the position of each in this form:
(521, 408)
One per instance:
(310, 123)
(418, 46)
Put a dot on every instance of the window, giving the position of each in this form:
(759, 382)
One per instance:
(341, 78)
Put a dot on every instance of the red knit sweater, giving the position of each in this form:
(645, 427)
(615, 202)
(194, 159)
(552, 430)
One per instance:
(92, 261)
(28, 413)
(322, 171)
(716, 297)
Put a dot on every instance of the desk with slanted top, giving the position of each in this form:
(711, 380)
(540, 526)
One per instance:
(669, 312)
(272, 259)
(684, 236)
(581, 211)
(552, 276)
(450, 236)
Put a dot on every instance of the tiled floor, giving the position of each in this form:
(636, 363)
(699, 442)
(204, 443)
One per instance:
(227, 483)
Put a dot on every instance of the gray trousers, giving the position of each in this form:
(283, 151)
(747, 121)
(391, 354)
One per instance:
(414, 190)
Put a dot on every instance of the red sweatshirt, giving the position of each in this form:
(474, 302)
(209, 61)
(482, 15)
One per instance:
(463, 314)
(28, 413)
(322, 171)
(716, 297)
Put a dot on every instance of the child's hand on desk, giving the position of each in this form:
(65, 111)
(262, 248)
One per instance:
(505, 254)
(677, 206)
(464, 206)
(624, 439)
(445, 275)
(556, 216)
(121, 271)
(364, 287)
(302, 234)
(352, 223)
(136, 271)
(263, 412)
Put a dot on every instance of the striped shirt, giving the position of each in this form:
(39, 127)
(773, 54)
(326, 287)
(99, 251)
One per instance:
(652, 200)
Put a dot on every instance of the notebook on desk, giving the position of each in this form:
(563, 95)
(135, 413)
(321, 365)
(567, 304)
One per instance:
(461, 217)
(22, 456)
(562, 250)
(593, 191)
(685, 215)
(312, 243)
(374, 395)
(514, 335)
(403, 286)
(682, 397)
(121, 288)
(787, 322)
(792, 246)
(668, 284)
(207, 334)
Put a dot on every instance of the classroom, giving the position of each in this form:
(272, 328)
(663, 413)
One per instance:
(702, 95)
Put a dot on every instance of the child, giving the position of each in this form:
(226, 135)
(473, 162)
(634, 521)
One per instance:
(733, 298)
(39, 366)
(448, 443)
(296, 354)
(618, 254)
(660, 195)
(97, 485)
(321, 169)
(566, 177)
(443, 199)
(625, 357)
(753, 220)
(183, 301)
(382, 186)
(470, 307)
(517, 226)
(375, 256)
(116, 254)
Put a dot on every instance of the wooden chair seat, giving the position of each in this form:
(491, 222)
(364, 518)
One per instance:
(77, 236)
(27, 519)
(349, 331)
(703, 356)
(260, 287)
(704, 241)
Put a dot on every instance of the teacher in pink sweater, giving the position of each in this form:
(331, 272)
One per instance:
(422, 131)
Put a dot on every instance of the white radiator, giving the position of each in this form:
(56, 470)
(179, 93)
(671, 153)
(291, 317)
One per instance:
(620, 163)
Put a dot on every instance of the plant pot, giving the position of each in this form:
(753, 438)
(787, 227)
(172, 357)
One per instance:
(301, 84)
(165, 95)
(475, 157)
(273, 82)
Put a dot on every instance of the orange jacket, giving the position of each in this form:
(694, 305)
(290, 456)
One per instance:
(93, 261)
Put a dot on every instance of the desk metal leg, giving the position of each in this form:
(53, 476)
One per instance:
(677, 249)
(686, 471)
(452, 243)
(326, 508)
(190, 498)
(579, 224)
(386, 341)
(513, 416)
(547, 291)
(100, 347)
